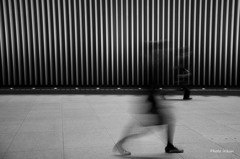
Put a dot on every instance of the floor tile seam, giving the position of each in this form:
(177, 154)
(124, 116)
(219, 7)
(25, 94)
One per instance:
(198, 133)
(95, 111)
(37, 150)
(236, 154)
(228, 135)
(225, 126)
(94, 146)
(63, 155)
(213, 121)
(224, 112)
(105, 128)
(235, 124)
(75, 102)
(67, 133)
(16, 133)
(45, 131)
(181, 155)
(21, 102)
(202, 135)
(109, 134)
(234, 129)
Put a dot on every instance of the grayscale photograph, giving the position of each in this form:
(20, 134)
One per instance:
(112, 79)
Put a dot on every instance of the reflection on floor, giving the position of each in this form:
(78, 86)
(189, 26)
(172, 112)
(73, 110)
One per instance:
(87, 127)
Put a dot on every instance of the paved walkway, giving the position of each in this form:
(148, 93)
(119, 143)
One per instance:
(87, 127)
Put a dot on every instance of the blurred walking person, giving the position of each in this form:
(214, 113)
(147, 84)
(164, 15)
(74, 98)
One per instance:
(154, 113)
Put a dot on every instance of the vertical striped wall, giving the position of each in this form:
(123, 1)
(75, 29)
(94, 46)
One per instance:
(109, 42)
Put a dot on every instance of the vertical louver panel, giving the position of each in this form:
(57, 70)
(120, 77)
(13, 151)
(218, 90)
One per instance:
(89, 43)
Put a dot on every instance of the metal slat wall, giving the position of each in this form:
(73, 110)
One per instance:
(105, 42)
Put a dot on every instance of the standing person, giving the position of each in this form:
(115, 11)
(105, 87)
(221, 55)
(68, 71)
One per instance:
(183, 73)
(183, 76)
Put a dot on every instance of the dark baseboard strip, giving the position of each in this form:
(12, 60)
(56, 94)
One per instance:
(109, 91)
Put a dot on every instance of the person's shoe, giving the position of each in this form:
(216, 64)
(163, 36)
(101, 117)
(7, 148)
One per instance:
(173, 149)
(121, 150)
(187, 98)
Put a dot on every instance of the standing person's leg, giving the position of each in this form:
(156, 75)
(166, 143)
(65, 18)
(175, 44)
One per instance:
(187, 92)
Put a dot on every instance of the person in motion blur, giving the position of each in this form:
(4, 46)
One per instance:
(154, 112)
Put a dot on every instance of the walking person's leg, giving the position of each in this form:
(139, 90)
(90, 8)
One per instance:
(129, 133)
(145, 119)
(169, 120)
(170, 148)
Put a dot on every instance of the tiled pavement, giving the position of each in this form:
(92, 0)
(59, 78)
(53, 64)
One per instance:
(87, 127)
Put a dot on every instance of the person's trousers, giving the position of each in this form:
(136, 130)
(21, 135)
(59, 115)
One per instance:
(186, 93)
